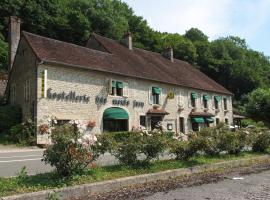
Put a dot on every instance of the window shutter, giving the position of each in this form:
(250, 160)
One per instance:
(44, 84)
(213, 102)
(189, 99)
(201, 101)
(161, 97)
(222, 103)
(125, 90)
(150, 96)
(180, 99)
(109, 86)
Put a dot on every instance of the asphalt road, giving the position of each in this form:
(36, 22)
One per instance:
(252, 187)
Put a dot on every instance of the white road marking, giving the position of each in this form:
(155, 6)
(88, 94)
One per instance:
(24, 156)
(9, 161)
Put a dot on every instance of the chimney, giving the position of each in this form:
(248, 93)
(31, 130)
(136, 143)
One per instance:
(14, 38)
(127, 40)
(168, 53)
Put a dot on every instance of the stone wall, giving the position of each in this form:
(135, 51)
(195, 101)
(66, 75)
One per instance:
(86, 82)
(24, 69)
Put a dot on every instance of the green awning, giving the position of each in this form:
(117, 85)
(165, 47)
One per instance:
(194, 95)
(205, 97)
(209, 119)
(217, 98)
(156, 90)
(198, 120)
(119, 84)
(115, 113)
(113, 84)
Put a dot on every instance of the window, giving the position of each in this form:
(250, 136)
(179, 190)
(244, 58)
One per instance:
(216, 101)
(117, 88)
(143, 120)
(205, 101)
(225, 104)
(217, 121)
(27, 90)
(61, 122)
(182, 125)
(156, 95)
(193, 97)
(226, 121)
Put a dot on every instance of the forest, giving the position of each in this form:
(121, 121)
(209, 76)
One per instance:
(228, 60)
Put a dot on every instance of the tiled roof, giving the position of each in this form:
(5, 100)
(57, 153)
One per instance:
(120, 60)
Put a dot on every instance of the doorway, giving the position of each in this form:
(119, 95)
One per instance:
(154, 121)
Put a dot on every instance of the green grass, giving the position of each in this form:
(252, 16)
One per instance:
(24, 184)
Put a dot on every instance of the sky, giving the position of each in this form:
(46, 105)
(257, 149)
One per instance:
(248, 19)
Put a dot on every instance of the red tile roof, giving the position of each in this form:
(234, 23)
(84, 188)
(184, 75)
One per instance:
(137, 63)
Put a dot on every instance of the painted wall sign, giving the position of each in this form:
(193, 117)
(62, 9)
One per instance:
(138, 103)
(71, 96)
(122, 102)
(101, 100)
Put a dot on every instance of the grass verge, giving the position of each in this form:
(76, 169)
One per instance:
(24, 183)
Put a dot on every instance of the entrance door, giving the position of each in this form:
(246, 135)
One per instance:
(154, 121)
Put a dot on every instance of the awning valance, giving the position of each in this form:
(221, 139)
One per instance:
(119, 84)
(209, 119)
(156, 90)
(217, 98)
(194, 95)
(198, 120)
(205, 97)
(115, 113)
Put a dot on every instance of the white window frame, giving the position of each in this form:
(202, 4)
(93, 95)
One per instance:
(125, 89)
(151, 99)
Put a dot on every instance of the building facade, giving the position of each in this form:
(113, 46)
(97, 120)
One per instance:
(112, 86)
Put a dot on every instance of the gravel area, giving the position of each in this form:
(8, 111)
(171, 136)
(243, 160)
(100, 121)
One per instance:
(214, 185)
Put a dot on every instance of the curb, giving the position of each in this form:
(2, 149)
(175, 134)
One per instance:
(21, 150)
(79, 191)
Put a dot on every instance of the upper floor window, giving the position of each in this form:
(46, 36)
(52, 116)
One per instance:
(216, 101)
(225, 104)
(119, 88)
(156, 91)
(193, 97)
(205, 100)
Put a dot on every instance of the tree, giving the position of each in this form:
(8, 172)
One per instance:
(258, 106)
(195, 34)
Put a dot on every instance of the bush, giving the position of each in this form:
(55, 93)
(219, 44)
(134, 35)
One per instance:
(9, 116)
(69, 153)
(261, 141)
(132, 148)
(24, 133)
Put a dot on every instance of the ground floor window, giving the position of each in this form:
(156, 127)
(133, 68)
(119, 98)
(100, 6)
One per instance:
(115, 125)
(143, 120)
(182, 124)
(217, 121)
(226, 121)
(195, 126)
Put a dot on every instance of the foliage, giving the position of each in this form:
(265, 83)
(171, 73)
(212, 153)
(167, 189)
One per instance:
(46, 181)
(260, 140)
(24, 133)
(183, 150)
(132, 148)
(258, 106)
(9, 116)
(70, 153)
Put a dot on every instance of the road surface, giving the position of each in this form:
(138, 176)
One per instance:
(252, 187)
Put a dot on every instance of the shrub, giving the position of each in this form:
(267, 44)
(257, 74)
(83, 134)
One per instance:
(9, 116)
(132, 148)
(70, 152)
(261, 141)
(24, 133)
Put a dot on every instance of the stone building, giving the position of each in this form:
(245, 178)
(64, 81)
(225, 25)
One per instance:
(112, 85)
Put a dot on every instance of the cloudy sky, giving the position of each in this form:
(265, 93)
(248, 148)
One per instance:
(249, 19)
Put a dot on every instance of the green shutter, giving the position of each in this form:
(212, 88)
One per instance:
(217, 98)
(205, 97)
(209, 119)
(194, 95)
(156, 90)
(115, 113)
(198, 120)
(113, 84)
(119, 85)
